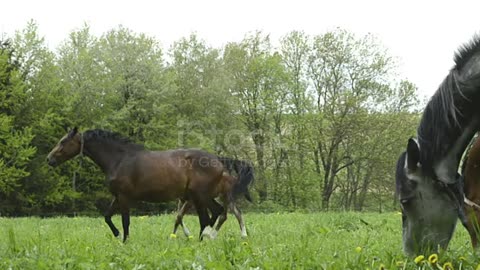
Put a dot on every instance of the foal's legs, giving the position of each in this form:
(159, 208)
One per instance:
(238, 215)
(216, 209)
(108, 216)
(183, 207)
(223, 216)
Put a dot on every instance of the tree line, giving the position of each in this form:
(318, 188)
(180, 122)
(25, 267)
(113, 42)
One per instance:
(323, 118)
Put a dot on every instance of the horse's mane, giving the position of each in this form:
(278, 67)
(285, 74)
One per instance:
(466, 52)
(446, 114)
(111, 137)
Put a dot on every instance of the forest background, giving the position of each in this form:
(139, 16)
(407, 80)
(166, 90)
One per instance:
(322, 118)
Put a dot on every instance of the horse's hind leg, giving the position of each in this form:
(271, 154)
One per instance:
(203, 217)
(183, 207)
(125, 211)
(473, 227)
(108, 216)
(238, 215)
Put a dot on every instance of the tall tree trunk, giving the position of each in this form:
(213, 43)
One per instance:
(363, 191)
(262, 187)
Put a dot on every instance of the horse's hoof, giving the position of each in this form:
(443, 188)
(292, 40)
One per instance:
(213, 234)
(209, 232)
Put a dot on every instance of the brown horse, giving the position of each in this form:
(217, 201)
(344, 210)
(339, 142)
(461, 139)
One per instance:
(471, 177)
(136, 174)
(244, 171)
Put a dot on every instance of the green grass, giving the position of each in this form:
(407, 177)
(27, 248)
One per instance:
(276, 241)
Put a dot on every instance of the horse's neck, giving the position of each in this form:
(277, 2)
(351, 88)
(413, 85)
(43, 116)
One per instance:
(105, 155)
(446, 168)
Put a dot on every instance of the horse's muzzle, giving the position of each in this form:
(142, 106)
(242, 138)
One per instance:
(51, 161)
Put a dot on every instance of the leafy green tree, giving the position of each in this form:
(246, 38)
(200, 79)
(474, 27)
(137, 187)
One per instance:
(15, 148)
(132, 80)
(346, 73)
(295, 50)
(202, 106)
(45, 111)
(258, 80)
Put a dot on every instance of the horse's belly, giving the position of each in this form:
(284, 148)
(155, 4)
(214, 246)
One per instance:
(157, 195)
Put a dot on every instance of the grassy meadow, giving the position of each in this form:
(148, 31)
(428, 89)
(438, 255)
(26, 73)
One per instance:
(276, 241)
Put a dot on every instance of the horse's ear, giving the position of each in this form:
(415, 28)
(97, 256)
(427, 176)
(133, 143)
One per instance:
(65, 127)
(73, 132)
(413, 154)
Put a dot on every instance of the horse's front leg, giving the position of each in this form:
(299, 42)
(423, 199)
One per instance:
(108, 216)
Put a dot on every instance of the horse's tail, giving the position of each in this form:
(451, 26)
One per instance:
(245, 176)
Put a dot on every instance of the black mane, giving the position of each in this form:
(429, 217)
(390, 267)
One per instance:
(111, 137)
(466, 52)
(450, 109)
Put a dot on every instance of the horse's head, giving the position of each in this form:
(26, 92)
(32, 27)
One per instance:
(69, 146)
(430, 208)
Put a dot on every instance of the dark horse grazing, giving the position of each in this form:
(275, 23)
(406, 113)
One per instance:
(134, 173)
(427, 183)
(245, 177)
(471, 178)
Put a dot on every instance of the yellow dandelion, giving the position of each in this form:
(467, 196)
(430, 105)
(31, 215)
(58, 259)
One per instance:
(173, 236)
(358, 249)
(381, 267)
(190, 237)
(245, 243)
(433, 259)
(399, 263)
(419, 259)
(478, 267)
(447, 266)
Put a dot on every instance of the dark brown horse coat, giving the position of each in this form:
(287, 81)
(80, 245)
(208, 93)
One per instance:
(134, 173)
(471, 178)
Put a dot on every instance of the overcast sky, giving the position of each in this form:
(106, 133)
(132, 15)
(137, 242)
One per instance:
(422, 34)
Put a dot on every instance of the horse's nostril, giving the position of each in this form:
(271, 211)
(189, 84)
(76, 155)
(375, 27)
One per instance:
(51, 161)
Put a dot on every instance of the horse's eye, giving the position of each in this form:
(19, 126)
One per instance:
(406, 200)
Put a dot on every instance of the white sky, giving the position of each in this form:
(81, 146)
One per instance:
(422, 34)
